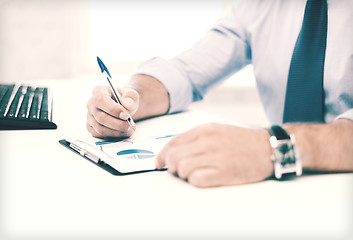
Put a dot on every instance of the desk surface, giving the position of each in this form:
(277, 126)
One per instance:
(48, 192)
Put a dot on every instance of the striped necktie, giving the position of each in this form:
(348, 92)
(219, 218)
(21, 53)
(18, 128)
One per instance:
(304, 100)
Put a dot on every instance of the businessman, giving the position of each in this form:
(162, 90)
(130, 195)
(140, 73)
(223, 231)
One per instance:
(302, 53)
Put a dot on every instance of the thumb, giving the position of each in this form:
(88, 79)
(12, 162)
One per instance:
(130, 100)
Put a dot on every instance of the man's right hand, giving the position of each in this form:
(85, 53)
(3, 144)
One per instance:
(107, 118)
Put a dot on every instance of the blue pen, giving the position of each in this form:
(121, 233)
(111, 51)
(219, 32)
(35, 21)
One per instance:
(116, 94)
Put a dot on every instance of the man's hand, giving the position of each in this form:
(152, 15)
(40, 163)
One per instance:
(107, 118)
(218, 154)
(144, 96)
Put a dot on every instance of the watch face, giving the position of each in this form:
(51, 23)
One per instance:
(283, 151)
(288, 153)
(283, 148)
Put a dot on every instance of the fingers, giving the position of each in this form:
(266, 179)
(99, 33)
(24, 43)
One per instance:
(206, 177)
(200, 172)
(106, 117)
(185, 167)
(187, 157)
(99, 130)
(200, 157)
(102, 99)
(171, 154)
(178, 148)
(130, 99)
(92, 131)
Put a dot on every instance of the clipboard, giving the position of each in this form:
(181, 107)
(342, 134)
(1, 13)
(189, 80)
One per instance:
(107, 161)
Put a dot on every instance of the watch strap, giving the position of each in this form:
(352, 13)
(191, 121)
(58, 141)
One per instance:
(278, 132)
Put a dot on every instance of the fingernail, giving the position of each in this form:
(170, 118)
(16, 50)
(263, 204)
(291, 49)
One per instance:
(124, 115)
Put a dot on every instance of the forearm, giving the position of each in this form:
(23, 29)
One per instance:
(326, 147)
(154, 98)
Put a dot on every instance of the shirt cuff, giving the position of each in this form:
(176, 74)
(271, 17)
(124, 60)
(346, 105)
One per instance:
(347, 115)
(169, 73)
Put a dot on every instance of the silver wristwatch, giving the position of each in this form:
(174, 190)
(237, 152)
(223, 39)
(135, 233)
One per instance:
(285, 155)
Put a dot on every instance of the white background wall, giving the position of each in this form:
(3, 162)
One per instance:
(48, 39)
(43, 38)
(60, 38)
(139, 29)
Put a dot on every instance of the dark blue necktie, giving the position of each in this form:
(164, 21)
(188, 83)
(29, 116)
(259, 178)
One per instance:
(304, 100)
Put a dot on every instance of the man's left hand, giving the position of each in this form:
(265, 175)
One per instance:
(218, 154)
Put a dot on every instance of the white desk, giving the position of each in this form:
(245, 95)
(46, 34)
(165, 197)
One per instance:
(47, 192)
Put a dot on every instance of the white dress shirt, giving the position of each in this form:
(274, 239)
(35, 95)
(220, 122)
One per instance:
(261, 33)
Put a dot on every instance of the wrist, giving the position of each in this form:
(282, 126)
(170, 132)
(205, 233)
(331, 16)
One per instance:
(154, 98)
(304, 142)
(266, 153)
(325, 147)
